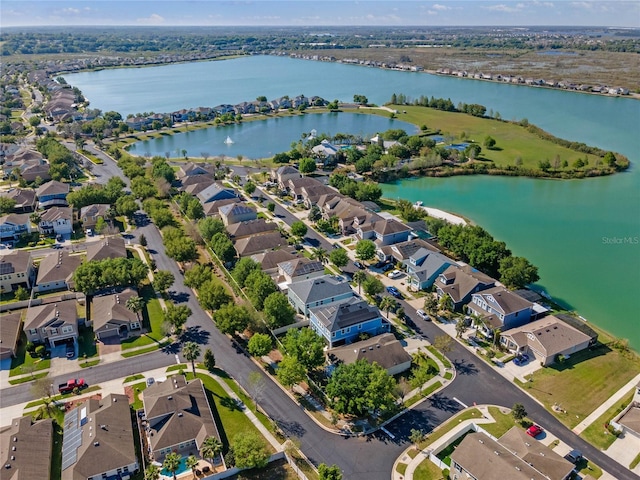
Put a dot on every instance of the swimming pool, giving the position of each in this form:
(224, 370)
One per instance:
(181, 469)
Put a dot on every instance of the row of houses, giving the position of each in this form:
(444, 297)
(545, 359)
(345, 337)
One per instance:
(24, 163)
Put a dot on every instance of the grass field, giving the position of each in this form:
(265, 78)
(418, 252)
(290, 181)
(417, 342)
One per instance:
(152, 318)
(24, 363)
(596, 434)
(503, 422)
(583, 382)
(428, 471)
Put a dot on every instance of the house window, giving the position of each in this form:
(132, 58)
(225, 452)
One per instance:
(54, 331)
(67, 329)
(33, 331)
(333, 334)
(348, 329)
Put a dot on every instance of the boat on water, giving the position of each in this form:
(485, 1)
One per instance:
(228, 141)
(418, 203)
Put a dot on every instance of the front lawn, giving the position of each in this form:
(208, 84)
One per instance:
(428, 470)
(503, 422)
(582, 383)
(596, 433)
(86, 343)
(152, 318)
(24, 363)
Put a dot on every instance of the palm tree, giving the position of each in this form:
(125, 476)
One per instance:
(192, 463)
(319, 253)
(191, 351)
(172, 463)
(387, 303)
(211, 448)
(359, 277)
(135, 304)
(152, 472)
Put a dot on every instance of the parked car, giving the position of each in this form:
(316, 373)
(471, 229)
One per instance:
(387, 267)
(534, 430)
(423, 315)
(394, 291)
(379, 264)
(71, 350)
(574, 456)
(358, 265)
(395, 274)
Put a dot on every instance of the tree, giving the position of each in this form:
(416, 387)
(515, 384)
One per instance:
(197, 275)
(430, 304)
(213, 295)
(307, 165)
(222, 247)
(172, 463)
(21, 294)
(290, 371)
(443, 343)
(446, 303)
(271, 206)
(489, 142)
(298, 229)
(162, 280)
(278, 312)
(211, 448)
(258, 286)
(209, 360)
(135, 304)
(319, 253)
(359, 277)
(387, 304)
(372, 285)
(420, 376)
(339, 257)
(209, 227)
(231, 318)
(517, 272)
(518, 411)
(260, 344)
(192, 463)
(181, 249)
(6, 205)
(177, 316)
(365, 250)
(250, 187)
(249, 451)
(461, 327)
(306, 346)
(152, 472)
(416, 436)
(361, 99)
(41, 387)
(191, 352)
(243, 268)
(326, 472)
(126, 205)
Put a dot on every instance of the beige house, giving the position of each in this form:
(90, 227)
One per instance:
(111, 317)
(385, 350)
(16, 268)
(56, 271)
(26, 449)
(10, 324)
(299, 269)
(108, 247)
(52, 324)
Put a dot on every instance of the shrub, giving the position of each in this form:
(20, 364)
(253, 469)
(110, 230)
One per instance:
(40, 349)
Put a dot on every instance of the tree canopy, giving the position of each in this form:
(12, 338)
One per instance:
(231, 318)
(306, 346)
(96, 275)
(278, 312)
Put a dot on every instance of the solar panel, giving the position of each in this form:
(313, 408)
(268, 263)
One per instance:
(71, 439)
(6, 268)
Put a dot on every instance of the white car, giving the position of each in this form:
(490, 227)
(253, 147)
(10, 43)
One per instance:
(395, 274)
(422, 314)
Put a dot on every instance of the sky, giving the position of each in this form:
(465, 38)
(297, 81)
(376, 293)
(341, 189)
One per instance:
(620, 13)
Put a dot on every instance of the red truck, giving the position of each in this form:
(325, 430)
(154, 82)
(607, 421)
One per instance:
(71, 384)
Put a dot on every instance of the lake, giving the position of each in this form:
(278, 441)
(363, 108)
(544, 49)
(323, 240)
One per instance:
(580, 233)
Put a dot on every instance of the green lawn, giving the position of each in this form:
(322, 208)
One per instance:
(466, 414)
(503, 423)
(596, 434)
(24, 362)
(137, 388)
(152, 318)
(142, 351)
(179, 366)
(440, 356)
(131, 378)
(30, 378)
(86, 343)
(583, 382)
(427, 470)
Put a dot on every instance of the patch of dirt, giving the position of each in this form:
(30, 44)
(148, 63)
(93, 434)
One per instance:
(128, 391)
(73, 403)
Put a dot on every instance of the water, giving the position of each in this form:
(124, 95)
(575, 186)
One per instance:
(256, 139)
(181, 469)
(569, 229)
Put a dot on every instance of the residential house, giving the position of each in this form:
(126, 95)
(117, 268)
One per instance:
(52, 194)
(35, 171)
(211, 209)
(10, 334)
(190, 169)
(138, 123)
(215, 192)
(498, 308)
(249, 228)
(385, 350)
(25, 199)
(56, 221)
(194, 184)
(111, 317)
(351, 214)
(90, 214)
(460, 282)
(16, 269)
(283, 174)
(298, 269)
(108, 247)
(13, 225)
(311, 194)
(56, 271)
(179, 417)
(401, 252)
(270, 259)
(480, 457)
(315, 292)
(545, 339)
(384, 231)
(296, 186)
(424, 266)
(325, 151)
(52, 324)
(342, 323)
(628, 420)
(236, 212)
(98, 440)
(26, 449)
(250, 245)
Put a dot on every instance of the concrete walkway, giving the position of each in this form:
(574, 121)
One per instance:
(613, 399)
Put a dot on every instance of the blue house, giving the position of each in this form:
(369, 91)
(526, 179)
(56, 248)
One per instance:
(499, 308)
(342, 323)
(424, 266)
(53, 193)
(316, 292)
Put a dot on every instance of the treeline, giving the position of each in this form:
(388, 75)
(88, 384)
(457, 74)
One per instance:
(96, 275)
(444, 104)
(61, 162)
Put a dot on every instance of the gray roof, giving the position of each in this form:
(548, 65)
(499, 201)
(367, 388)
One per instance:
(503, 300)
(317, 289)
(300, 266)
(113, 309)
(259, 243)
(57, 266)
(109, 247)
(346, 314)
(97, 209)
(385, 350)
(462, 281)
(235, 209)
(33, 449)
(44, 315)
(403, 250)
(16, 219)
(52, 188)
(57, 213)
(432, 263)
(250, 227)
(23, 197)
(270, 259)
(15, 262)
(214, 190)
(9, 333)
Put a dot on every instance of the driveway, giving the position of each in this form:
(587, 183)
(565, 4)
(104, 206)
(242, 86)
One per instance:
(624, 450)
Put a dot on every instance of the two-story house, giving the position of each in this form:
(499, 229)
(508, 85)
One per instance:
(52, 324)
(13, 225)
(108, 247)
(52, 194)
(16, 269)
(315, 292)
(25, 199)
(401, 252)
(384, 231)
(298, 269)
(424, 266)
(90, 214)
(498, 308)
(111, 317)
(27, 448)
(342, 323)
(55, 271)
(270, 259)
(460, 283)
(283, 174)
(56, 221)
(385, 350)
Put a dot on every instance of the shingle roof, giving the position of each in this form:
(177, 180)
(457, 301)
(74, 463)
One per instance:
(270, 259)
(464, 282)
(57, 266)
(389, 226)
(52, 188)
(109, 247)
(503, 300)
(22, 196)
(259, 243)
(33, 449)
(213, 190)
(433, 263)
(9, 333)
(346, 314)
(235, 209)
(15, 218)
(316, 289)
(250, 227)
(300, 266)
(97, 209)
(43, 315)
(57, 213)
(403, 250)
(383, 349)
(113, 309)
(15, 262)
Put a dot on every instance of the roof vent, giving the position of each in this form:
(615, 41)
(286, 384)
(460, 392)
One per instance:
(518, 468)
(527, 444)
(7, 465)
(496, 452)
(15, 439)
(103, 427)
(169, 397)
(13, 449)
(179, 414)
(370, 348)
(481, 441)
(12, 457)
(95, 444)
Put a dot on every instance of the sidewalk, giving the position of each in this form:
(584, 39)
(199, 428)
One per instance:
(613, 399)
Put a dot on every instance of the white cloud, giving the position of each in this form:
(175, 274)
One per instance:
(153, 19)
(431, 12)
(505, 8)
(585, 5)
(438, 6)
(70, 11)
